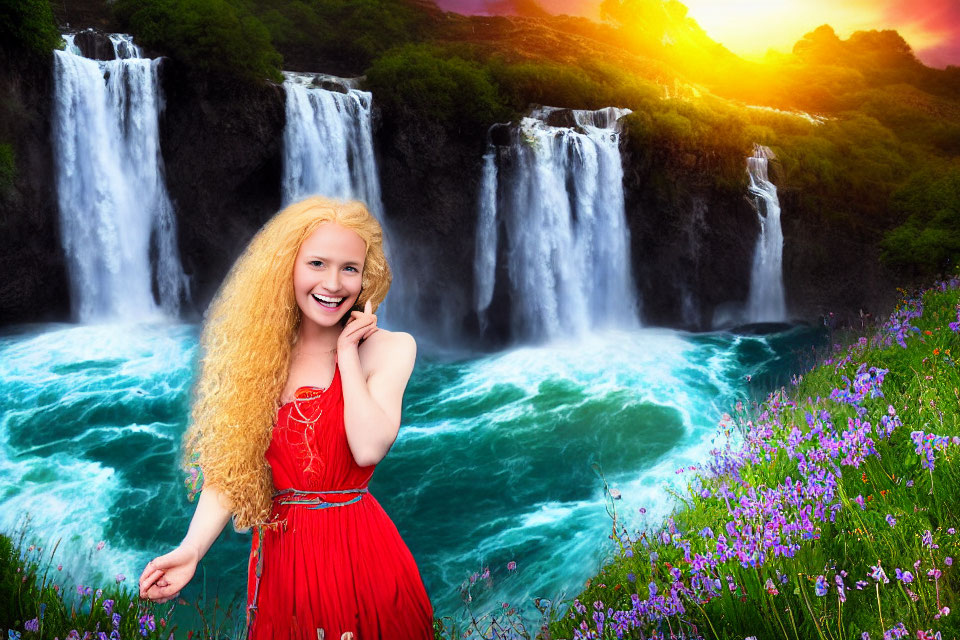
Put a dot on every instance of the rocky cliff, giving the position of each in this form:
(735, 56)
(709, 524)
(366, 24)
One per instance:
(34, 285)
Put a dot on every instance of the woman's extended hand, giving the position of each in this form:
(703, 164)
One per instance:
(165, 576)
(360, 326)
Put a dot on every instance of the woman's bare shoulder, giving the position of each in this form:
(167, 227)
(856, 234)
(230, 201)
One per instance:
(390, 348)
(391, 338)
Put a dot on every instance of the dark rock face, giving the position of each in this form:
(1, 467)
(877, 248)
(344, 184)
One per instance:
(828, 272)
(429, 181)
(561, 118)
(94, 45)
(691, 241)
(34, 285)
(331, 85)
(222, 146)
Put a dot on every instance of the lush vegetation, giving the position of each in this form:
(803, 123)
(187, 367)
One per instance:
(37, 602)
(28, 25)
(243, 39)
(39, 598)
(930, 236)
(418, 81)
(209, 35)
(354, 32)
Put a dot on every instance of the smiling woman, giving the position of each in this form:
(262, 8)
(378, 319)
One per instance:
(292, 413)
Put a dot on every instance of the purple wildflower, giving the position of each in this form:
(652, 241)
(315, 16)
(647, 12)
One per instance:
(821, 586)
(878, 574)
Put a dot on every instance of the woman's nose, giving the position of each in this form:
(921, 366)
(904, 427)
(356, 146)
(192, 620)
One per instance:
(331, 281)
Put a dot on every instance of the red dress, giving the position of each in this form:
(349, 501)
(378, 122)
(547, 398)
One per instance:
(341, 568)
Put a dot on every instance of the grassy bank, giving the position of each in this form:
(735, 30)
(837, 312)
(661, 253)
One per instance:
(39, 598)
(831, 512)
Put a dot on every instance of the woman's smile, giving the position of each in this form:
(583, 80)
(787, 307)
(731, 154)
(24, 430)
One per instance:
(329, 303)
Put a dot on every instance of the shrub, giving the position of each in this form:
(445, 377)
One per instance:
(28, 26)
(454, 92)
(352, 31)
(208, 35)
(928, 241)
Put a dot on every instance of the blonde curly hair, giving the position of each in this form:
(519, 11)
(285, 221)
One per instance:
(248, 334)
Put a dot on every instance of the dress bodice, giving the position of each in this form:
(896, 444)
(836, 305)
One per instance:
(308, 447)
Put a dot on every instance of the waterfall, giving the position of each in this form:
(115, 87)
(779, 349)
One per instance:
(328, 143)
(114, 207)
(766, 303)
(558, 189)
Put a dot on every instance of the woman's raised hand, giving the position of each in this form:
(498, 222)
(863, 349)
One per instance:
(361, 325)
(165, 576)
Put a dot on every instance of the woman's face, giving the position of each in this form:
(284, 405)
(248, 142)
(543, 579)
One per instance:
(328, 273)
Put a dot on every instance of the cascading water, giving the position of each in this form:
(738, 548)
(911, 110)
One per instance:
(559, 192)
(328, 143)
(766, 302)
(328, 151)
(114, 207)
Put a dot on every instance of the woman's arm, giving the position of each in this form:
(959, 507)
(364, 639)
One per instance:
(210, 517)
(372, 405)
(166, 575)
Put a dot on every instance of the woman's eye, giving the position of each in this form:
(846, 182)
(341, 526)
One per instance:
(315, 263)
(354, 268)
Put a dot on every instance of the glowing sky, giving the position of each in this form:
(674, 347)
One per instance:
(751, 27)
